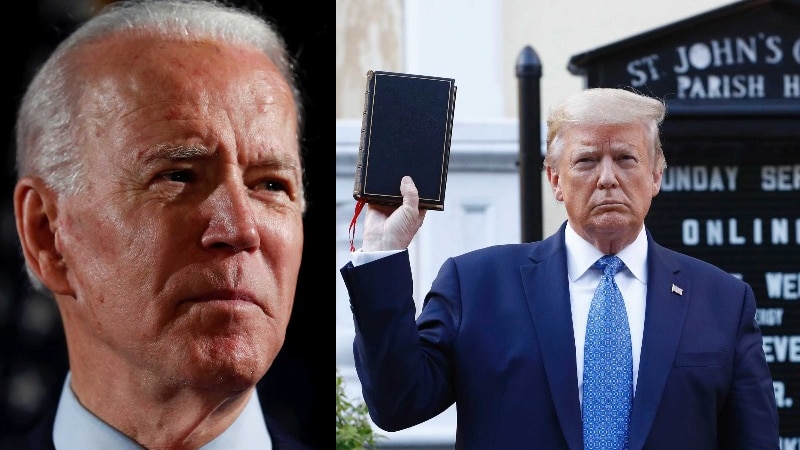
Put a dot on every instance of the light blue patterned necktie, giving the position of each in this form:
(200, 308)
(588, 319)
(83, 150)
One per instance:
(607, 365)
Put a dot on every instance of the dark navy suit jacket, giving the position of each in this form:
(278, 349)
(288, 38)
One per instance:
(495, 336)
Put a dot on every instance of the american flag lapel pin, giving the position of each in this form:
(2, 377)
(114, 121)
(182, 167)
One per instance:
(677, 290)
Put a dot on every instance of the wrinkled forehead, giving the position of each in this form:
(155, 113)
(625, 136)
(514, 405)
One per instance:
(157, 91)
(165, 66)
(631, 135)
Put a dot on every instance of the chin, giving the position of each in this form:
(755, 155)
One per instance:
(229, 364)
(612, 221)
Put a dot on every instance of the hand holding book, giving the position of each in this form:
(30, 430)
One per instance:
(393, 227)
(406, 130)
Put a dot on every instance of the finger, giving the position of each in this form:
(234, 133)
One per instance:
(382, 210)
(409, 192)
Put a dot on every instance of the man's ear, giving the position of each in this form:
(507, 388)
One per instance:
(36, 211)
(552, 178)
(657, 177)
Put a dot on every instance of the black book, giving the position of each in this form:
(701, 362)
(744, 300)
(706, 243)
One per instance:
(406, 130)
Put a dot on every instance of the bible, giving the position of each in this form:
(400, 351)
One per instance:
(406, 129)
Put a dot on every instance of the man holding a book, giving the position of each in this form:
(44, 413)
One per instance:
(595, 337)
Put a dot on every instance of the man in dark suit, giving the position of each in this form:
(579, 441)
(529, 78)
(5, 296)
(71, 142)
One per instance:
(508, 334)
(160, 201)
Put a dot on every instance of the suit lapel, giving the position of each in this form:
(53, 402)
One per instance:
(547, 294)
(668, 295)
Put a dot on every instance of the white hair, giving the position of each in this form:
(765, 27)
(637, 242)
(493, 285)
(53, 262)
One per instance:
(48, 120)
(48, 127)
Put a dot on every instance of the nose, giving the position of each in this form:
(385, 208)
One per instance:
(232, 223)
(608, 175)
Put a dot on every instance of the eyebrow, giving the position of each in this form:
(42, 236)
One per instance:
(585, 150)
(616, 146)
(181, 153)
(280, 162)
(178, 153)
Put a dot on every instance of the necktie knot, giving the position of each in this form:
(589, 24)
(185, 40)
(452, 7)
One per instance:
(609, 264)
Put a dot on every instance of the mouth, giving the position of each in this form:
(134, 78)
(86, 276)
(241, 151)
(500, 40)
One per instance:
(226, 298)
(609, 204)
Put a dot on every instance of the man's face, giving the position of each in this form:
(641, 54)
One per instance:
(606, 179)
(184, 249)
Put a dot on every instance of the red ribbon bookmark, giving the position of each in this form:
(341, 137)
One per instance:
(352, 231)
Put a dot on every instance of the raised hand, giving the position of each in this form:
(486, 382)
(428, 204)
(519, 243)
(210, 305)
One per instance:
(393, 227)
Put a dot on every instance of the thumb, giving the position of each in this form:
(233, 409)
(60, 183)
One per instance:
(409, 192)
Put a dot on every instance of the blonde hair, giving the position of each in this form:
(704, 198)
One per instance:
(604, 106)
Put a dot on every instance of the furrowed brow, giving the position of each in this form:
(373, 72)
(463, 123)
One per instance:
(177, 153)
(278, 162)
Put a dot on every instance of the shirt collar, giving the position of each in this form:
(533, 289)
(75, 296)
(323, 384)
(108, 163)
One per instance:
(581, 255)
(77, 428)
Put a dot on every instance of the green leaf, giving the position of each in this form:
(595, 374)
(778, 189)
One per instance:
(353, 427)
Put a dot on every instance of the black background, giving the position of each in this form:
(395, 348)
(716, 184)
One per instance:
(33, 353)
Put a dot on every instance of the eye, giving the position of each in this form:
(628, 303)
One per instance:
(272, 186)
(179, 176)
(584, 162)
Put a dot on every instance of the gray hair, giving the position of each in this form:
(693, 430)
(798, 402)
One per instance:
(604, 106)
(48, 128)
(48, 135)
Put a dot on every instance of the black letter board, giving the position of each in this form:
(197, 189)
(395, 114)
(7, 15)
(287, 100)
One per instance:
(731, 192)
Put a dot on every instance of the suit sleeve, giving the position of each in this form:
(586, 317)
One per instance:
(750, 419)
(404, 367)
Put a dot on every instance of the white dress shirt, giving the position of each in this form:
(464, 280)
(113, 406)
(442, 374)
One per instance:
(583, 280)
(76, 428)
(360, 257)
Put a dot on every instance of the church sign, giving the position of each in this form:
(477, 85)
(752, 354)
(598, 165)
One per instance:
(742, 66)
(731, 192)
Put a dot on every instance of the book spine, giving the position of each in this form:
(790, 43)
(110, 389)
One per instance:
(448, 136)
(366, 120)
